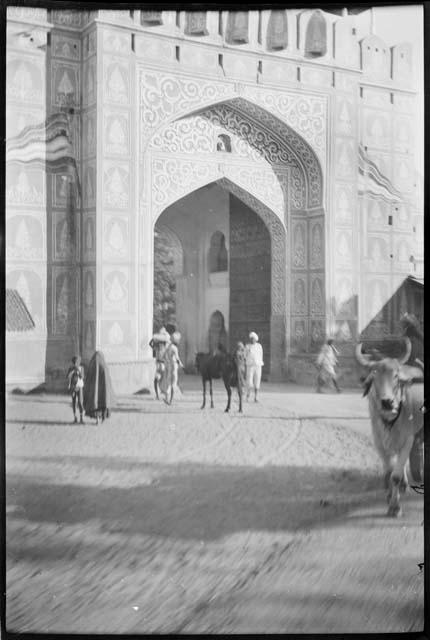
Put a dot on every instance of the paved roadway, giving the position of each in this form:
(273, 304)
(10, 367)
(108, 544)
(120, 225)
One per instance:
(176, 520)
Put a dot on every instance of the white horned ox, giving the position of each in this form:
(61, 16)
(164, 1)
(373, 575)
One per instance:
(396, 398)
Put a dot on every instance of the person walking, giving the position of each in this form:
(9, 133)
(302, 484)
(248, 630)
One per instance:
(172, 363)
(254, 364)
(326, 365)
(158, 345)
(99, 396)
(75, 378)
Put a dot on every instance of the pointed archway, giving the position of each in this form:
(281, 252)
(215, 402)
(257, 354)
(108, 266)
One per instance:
(253, 235)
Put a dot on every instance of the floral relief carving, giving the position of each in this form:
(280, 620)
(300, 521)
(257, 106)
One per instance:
(263, 184)
(164, 96)
(64, 47)
(116, 83)
(115, 287)
(24, 187)
(248, 140)
(316, 251)
(24, 81)
(173, 179)
(317, 298)
(305, 114)
(299, 297)
(116, 186)
(299, 246)
(24, 238)
(67, 18)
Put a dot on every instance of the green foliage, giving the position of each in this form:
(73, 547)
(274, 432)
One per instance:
(164, 283)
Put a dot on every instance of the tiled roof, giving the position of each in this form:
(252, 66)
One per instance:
(18, 317)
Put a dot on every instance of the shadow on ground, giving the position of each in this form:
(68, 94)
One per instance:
(192, 501)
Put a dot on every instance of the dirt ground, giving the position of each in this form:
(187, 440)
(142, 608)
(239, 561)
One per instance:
(176, 520)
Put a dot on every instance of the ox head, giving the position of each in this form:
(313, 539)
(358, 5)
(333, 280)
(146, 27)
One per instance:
(385, 377)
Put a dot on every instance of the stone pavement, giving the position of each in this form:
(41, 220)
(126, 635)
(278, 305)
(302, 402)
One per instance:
(172, 519)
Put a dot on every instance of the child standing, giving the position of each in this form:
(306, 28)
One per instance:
(75, 377)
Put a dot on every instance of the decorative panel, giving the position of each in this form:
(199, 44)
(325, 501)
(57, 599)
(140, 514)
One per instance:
(299, 234)
(116, 238)
(344, 199)
(25, 80)
(316, 247)
(25, 186)
(25, 239)
(116, 80)
(317, 297)
(116, 185)
(65, 47)
(300, 296)
(116, 285)
(116, 41)
(116, 133)
(343, 245)
(65, 85)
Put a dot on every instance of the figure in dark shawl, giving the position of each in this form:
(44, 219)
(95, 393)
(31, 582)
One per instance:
(98, 392)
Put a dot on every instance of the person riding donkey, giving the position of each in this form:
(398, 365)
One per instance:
(158, 344)
(172, 362)
(75, 377)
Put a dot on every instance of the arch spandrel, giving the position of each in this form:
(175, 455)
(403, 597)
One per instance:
(166, 97)
(174, 179)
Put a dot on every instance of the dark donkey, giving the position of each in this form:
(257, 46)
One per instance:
(222, 365)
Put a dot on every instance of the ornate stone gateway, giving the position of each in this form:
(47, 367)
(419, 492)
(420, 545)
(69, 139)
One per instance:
(250, 277)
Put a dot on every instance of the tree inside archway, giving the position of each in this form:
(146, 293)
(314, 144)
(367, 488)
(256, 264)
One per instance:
(164, 282)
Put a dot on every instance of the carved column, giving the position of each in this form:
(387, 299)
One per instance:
(63, 206)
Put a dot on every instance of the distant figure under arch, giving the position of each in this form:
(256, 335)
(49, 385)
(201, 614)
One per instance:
(217, 331)
(218, 255)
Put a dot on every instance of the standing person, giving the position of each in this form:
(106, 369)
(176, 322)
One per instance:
(172, 362)
(158, 345)
(254, 364)
(75, 377)
(411, 329)
(98, 395)
(326, 365)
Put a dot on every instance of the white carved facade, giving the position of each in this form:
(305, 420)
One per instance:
(149, 106)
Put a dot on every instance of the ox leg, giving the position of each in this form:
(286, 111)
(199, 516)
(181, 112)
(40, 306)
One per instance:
(212, 397)
(204, 394)
(398, 477)
(228, 389)
(156, 388)
(386, 458)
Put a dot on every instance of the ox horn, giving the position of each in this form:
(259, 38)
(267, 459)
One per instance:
(420, 363)
(407, 354)
(364, 360)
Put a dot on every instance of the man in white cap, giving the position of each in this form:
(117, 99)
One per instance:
(254, 364)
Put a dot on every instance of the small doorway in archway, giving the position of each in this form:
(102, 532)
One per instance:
(250, 278)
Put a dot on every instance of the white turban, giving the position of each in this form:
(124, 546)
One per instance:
(253, 335)
(161, 336)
